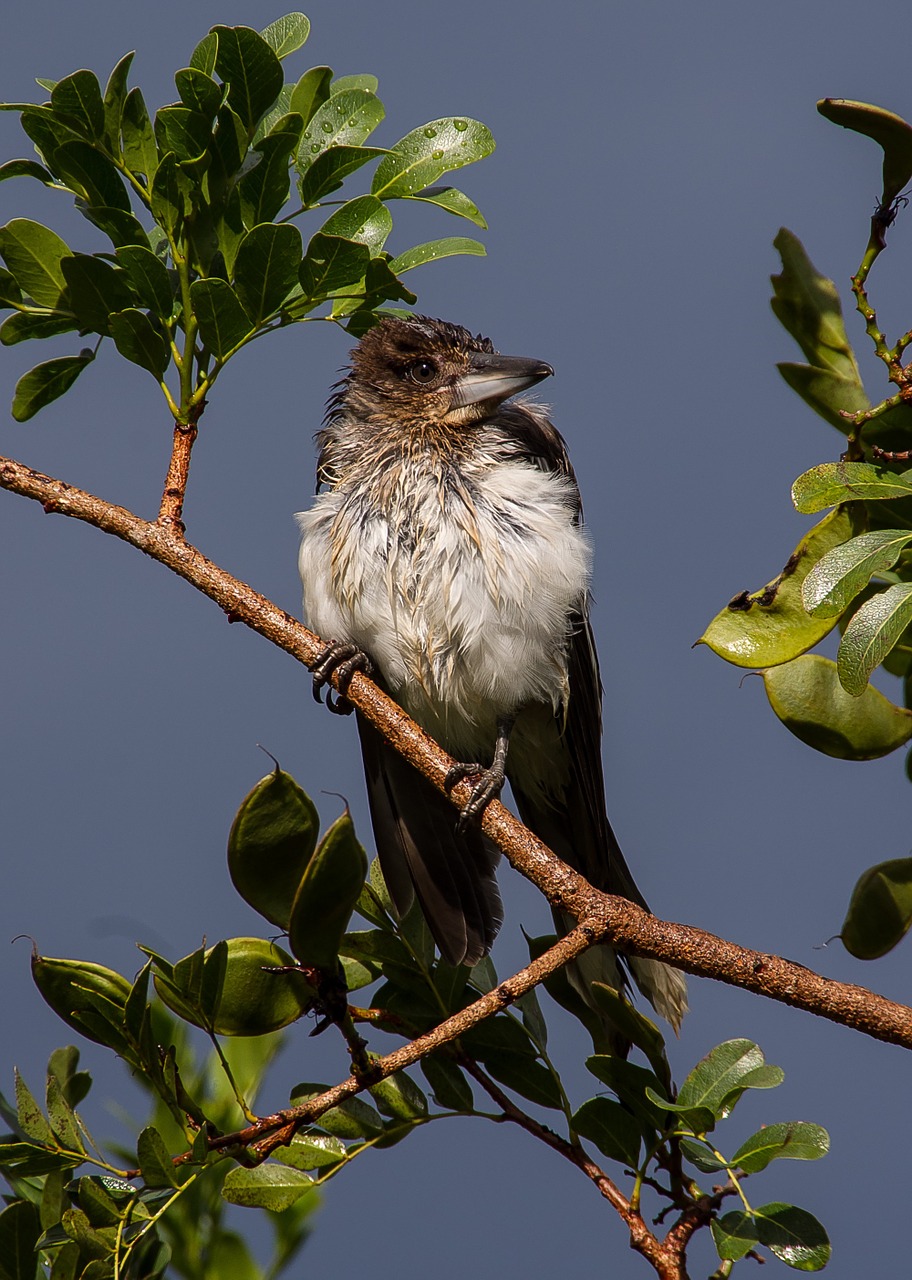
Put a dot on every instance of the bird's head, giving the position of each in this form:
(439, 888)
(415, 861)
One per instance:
(429, 371)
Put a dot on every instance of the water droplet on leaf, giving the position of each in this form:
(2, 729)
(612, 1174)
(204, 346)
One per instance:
(430, 133)
(461, 125)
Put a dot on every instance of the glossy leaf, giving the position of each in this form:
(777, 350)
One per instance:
(399, 1097)
(25, 325)
(734, 1235)
(352, 1118)
(223, 323)
(199, 92)
(45, 383)
(871, 634)
(432, 250)
(311, 91)
(892, 133)
(91, 175)
(149, 277)
(286, 35)
(311, 1151)
(880, 910)
(438, 147)
(807, 696)
(453, 201)
(807, 305)
(365, 219)
(326, 896)
(94, 289)
(272, 838)
(833, 482)
(269, 1186)
(24, 169)
(343, 83)
(251, 70)
(718, 1079)
(78, 97)
(793, 1235)
(342, 120)
(266, 268)
(450, 1089)
(769, 626)
(34, 254)
(331, 264)
(612, 1128)
(139, 341)
(139, 151)
(827, 392)
(797, 1140)
(330, 169)
(203, 56)
(847, 569)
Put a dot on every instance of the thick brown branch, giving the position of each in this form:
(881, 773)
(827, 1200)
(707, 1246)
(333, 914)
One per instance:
(628, 927)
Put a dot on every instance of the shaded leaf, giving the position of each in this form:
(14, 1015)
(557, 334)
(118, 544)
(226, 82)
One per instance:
(168, 195)
(274, 832)
(892, 133)
(433, 250)
(269, 1186)
(438, 147)
(630, 1083)
(793, 1235)
(184, 131)
(46, 382)
(203, 56)
(807, 696)
(61, 1116)
(330, 169)
(807, 305)
(114, 98)
(330, 264)
(139, 341)
(734, 1235)
(154, 1159)
(149, 277)
(633, 1026)
(29, 1115)
(90, 174)
(453, 201)
(223, 323)
(78, 98)
(94, 288)
(120, 227)
(266, 268)
(20, 1230)
(827, 392)
(251, 70)
(365, 219)
(24, 325)
(265, 189)
(326, 896)
(24, 169)
(139, 151)
(34, 254)
(450, 1089)
(611, 1127)
(872, 632)
(880, 909)
(287, 34)
(10, 293)
(311, 91)
(769, 626)
(199, 92)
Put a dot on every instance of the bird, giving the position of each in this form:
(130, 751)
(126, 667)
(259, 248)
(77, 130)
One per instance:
(445, 555)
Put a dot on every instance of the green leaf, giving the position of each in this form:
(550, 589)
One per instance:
(266, 268)
(274, 832)
(268, 1186)
(343, 120)
(892, 133)
(139, 341)
(24, 325)
(264, 190)
(826, 392)
(20, 1230)
(435, 249)
(311, 91)
(286, 35)
(833, 482)
(168, 195)
(327, 895)
(331, 168)
(807, 696)
(633, 1026)
(94, 1200)
(223, 324)
(149, 277)
(797, 1140)
(872, 632)
(330, 264)
(199, 92)
(793, 1235)
(78, 98)
(734, 1235)
(90, 174)
(10, 293)
(612, 1128)
(718, 1079)
(154, 1159)
(453, 201)
(807, 305)
(62, 1117)
(139, 151)
(847, 569)
(311, 1151)
(630, 1083)
(114, 99)
(449, 1087)
(183, 131)
(352, 1118)
(34, 254)
(24, 169)
(438, 147)
(121, 228)
(203, 56)
(63, 1063)
(400, 1097)
(381, 285)
(880, 910)
(94, 288)
(365, 219)
(46, 382)
(31, 1118)
(769, 626)
(702, 1157)
(342, 84)
(251, 70)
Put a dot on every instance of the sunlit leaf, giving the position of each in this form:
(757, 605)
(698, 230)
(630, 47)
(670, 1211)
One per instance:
(795, 1141)
(833, 482)
(266, 268)
(453, 201)
(286, 35)
(807, 305)
(793, 1235)
(330, 169)
(365, 219)
(420, 254)
(847, 569)
(268, 1186)
(342, 120)
(251, 70)
(438, 147)
(34, 254)
(871, 634)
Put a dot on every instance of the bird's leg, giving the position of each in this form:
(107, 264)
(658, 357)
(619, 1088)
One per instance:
(344, 659)
(490, 779)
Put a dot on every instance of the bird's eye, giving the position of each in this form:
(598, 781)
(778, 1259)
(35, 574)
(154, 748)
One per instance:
(422, 371)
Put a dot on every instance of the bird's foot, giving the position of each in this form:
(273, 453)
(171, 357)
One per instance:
(488, 787)
(344, 660)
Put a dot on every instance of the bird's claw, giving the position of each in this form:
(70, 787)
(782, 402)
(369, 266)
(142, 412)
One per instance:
(488, 787)
(342, 659)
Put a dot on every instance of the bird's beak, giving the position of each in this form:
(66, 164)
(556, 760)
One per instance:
(496, 378)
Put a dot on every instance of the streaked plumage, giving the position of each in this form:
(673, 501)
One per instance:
(448, 546)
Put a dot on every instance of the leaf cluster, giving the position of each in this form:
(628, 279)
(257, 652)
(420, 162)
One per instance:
(200, 204)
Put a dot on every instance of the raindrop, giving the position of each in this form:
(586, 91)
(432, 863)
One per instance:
(430, 133)
(326, 126)
(436, 155)
(351, 123)
(315, 147)
(461, 125)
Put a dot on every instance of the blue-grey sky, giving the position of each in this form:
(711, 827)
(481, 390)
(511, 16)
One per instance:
(647, 154)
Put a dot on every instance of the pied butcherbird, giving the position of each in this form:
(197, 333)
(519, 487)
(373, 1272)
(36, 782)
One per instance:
(445, 554)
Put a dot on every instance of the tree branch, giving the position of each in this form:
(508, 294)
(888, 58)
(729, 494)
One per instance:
(626, 926)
